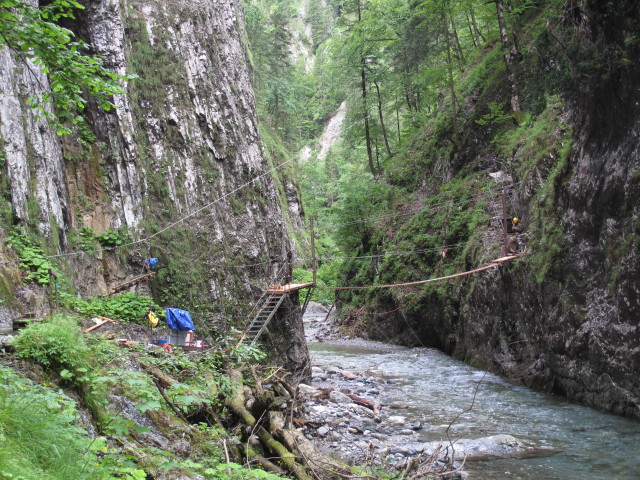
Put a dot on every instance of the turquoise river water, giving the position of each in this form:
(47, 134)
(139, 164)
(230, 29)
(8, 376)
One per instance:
(589, 444)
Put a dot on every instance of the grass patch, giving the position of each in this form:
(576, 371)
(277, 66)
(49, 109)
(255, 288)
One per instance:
(39, 436)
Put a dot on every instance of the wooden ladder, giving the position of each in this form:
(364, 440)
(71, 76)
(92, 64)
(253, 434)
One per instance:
(263, 317)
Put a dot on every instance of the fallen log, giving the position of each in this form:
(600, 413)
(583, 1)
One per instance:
(298, 443)
(252, 456)
(235, 402)
(165, 380)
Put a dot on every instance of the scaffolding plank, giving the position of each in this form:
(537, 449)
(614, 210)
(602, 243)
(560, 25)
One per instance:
(289, 287)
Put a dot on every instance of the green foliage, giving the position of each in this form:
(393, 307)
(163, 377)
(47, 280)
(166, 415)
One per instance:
(87, 239)
(112, 239)
(31, 257)
(234, 471)
(325, 276)
(34, 33)
(136, 385)
(127, 306)
(39, 434)
(55, 343)
(496, 114)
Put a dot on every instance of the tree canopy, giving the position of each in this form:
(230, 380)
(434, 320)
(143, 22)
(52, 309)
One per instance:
(35, 35)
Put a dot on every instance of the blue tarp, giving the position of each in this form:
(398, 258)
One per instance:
(179, 320)
(152, 262)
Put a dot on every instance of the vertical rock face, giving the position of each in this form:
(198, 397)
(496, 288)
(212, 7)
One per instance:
(179, 162)
(34, 165)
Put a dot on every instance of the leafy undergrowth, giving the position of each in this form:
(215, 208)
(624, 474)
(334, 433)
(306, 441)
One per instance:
(32, 257)
(127, 306)
(40, 436)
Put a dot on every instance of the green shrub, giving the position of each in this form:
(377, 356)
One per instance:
(112, 239)
(56, 343)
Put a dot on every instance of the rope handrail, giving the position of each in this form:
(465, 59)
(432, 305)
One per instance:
(493, 264)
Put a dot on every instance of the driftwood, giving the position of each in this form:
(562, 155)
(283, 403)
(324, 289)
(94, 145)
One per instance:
(303, 448)
(372, 405)
(235, 402)
(324, 392)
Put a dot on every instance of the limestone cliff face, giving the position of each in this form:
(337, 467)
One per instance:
(184, 137)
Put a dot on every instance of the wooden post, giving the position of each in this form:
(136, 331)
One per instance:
(53, 280)
(313, 251)
(504, 221)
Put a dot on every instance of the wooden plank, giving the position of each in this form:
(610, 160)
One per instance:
(289, 287)
(98, 325)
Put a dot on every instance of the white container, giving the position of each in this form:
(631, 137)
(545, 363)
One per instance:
(177, 337)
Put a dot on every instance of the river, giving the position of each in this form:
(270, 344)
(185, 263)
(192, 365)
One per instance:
(584, 443)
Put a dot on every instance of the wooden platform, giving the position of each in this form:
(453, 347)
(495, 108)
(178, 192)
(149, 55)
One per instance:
(289, 287)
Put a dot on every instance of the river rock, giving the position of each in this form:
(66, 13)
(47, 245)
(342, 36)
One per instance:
(363, 411)
(307, 389)
(397, 419)
(398, 406)
(348, 375)
(322, 431)
(485, 448)
(339, 397)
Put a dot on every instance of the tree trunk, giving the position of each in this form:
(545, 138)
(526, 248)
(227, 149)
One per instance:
(454, 102)
(408, 87)
(367, 132)
(471, 33)
(510, 57)
(455, 36)
(363, 85)
(475, 26)
(384, 130)
(398, 117)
